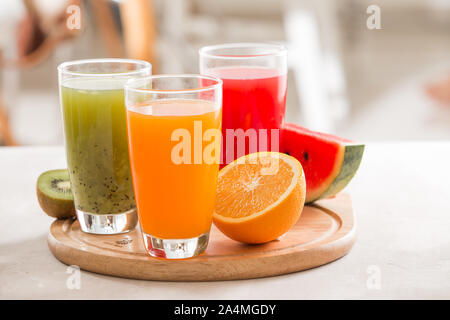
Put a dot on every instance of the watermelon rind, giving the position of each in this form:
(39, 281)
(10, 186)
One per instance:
(352, 159)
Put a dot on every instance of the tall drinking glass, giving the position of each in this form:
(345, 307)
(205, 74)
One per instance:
(94, 115)
(254, 79)
(174, 140)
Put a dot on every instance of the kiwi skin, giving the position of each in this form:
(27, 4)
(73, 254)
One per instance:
(59, 209)
(54, 207)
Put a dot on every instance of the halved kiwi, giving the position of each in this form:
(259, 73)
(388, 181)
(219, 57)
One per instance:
(54, 194)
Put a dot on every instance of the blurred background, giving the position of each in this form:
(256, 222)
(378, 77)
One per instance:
(391, 82)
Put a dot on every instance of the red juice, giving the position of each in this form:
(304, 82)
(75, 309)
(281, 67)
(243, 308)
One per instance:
(253, 98)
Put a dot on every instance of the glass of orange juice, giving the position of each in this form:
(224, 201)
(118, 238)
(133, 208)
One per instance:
(174, 138)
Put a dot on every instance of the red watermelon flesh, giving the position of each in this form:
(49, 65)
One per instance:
(329, 162)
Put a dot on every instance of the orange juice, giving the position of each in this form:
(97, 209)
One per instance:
(174, 200)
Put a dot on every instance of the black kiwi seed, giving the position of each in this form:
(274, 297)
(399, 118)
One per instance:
(60, 185)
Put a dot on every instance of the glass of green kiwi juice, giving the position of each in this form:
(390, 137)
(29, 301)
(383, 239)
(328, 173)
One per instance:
(94, 118)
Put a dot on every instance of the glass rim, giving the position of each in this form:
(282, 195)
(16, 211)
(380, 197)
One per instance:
(144, 64)
(277, 50)
(128, 85)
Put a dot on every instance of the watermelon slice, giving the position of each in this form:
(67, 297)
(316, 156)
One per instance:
(329, 162)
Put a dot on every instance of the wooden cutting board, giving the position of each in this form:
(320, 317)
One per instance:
(325, 232)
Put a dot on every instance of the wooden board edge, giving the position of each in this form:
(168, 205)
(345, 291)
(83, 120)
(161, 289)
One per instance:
(245, 267)
(237, 269)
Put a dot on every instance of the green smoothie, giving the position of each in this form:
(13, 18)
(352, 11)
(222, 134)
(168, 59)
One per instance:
(96, 145)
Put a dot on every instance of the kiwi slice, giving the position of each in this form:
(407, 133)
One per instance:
(54, 194)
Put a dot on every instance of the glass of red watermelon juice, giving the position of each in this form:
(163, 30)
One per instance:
(254, 79)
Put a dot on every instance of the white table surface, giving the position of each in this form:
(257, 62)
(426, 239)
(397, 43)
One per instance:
(401, 197)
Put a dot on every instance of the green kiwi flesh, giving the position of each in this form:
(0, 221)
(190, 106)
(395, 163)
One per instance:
(54, 194)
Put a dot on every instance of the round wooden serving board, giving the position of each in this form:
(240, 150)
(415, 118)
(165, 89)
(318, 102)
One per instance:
(324, 233)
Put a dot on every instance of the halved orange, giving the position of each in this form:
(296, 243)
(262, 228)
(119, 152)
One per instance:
(259, 197)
